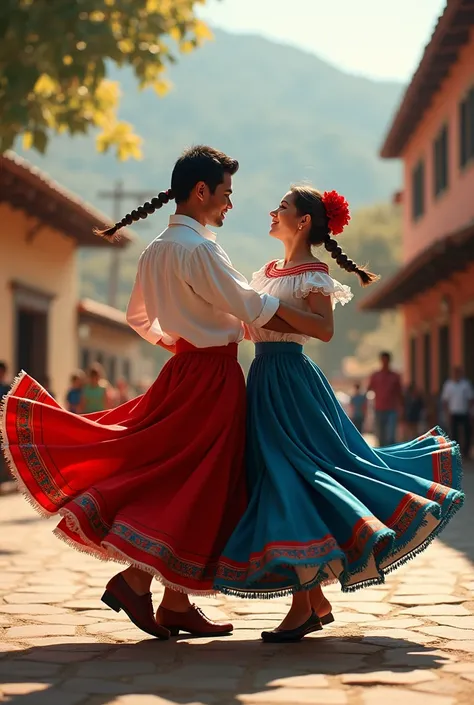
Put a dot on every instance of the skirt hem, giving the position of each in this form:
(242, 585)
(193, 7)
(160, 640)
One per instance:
(346, 574)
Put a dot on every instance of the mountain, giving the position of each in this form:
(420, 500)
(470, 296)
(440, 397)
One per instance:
(285, 114)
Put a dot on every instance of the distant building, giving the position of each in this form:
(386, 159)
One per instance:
(42, 227)
(433, 133)
(106, 337)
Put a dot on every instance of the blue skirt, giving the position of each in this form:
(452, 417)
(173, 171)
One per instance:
(324, 505)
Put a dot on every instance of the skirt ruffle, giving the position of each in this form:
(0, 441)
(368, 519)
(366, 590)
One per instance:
(158, 482)
(324, 505)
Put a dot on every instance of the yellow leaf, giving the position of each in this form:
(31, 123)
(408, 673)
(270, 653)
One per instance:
(126, 46)
(175, 34)
(162, 87)
(102, 143)
(27, 140)
(186, 47)
(97, 16)
(108, 92)
(45, 86)
(67, 60)
(202, 31)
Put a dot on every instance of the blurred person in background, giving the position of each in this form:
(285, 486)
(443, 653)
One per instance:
(123, 392)
(96, 392)
(458, 397)
(413, 411)
(4, 389)
(74, 393)
(4, 383)
(358, 408)
(386, 385)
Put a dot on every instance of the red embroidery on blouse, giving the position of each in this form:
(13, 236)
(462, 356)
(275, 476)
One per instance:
(271, 269)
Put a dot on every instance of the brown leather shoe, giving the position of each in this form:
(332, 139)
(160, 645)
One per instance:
(119, 595)
(194, 622)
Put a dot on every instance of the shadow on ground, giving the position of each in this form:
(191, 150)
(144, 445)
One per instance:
(182, 672)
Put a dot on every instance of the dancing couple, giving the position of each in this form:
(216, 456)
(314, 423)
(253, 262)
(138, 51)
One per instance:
(184, 483)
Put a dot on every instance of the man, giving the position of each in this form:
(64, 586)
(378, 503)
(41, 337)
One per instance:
(159, 482)
(358, 408)
(186, 289)
(457, 398)
(387, 388)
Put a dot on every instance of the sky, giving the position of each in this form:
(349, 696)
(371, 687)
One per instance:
(375, 38)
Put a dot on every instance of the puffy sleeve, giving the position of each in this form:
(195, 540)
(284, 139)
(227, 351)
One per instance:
(258, 279)
(319, 282)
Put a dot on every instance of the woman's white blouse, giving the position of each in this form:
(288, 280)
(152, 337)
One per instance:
(292, 286)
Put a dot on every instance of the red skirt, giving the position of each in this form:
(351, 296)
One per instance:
(157, 482)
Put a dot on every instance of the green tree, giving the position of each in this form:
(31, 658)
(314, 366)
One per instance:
(53, 64)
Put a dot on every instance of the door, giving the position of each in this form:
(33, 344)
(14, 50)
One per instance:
(31, 343)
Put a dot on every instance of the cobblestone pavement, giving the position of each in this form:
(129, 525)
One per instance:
(409, 641)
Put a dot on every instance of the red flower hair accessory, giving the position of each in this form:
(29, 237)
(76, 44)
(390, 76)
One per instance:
(337, 211)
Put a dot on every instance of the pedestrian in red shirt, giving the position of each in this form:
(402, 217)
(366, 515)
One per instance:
(387, 387)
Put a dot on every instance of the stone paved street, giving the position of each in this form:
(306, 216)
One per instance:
(410, 641)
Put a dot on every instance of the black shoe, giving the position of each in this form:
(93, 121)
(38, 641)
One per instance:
(327, 619)
(279, 636)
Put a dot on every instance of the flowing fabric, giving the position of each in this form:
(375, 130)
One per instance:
(158, 482)
(324, 505)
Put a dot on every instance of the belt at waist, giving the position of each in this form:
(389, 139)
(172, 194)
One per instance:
(278, 348)
(183, 346)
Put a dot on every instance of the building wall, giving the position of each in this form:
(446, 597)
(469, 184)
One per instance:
(47, 263)
(454, 208)
(448, 303)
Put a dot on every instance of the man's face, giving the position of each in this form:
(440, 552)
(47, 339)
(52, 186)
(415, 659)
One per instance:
(3, 373)
(385, 360)
(218, 203)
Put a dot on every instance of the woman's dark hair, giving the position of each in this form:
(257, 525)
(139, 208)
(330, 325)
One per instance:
(196, 164)
(309, 201)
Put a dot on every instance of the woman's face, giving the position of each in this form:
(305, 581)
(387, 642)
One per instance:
(286, 220)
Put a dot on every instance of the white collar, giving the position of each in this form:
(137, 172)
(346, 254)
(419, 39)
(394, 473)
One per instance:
(191, 223)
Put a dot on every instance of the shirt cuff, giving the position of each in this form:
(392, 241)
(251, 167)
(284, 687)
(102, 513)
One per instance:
(270, 307)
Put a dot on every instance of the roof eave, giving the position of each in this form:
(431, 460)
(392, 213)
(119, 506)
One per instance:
(451, 33)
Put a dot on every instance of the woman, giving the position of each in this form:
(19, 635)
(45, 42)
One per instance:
(324, 506)
(95, 392)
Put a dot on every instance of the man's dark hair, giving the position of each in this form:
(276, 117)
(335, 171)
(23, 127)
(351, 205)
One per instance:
(386, 355)
(3, 366)
(196, 164)
(200, 164)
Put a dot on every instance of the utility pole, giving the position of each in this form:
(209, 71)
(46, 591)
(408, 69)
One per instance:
(118, 196)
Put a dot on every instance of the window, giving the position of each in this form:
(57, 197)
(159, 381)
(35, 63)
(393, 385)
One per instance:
(418, 190)
(441, 161)
(85, 359)
(443, 355)
(466, 129)
(112, 365)
(126, 369)
(413, 361)
(468, 344)
(427, 362)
